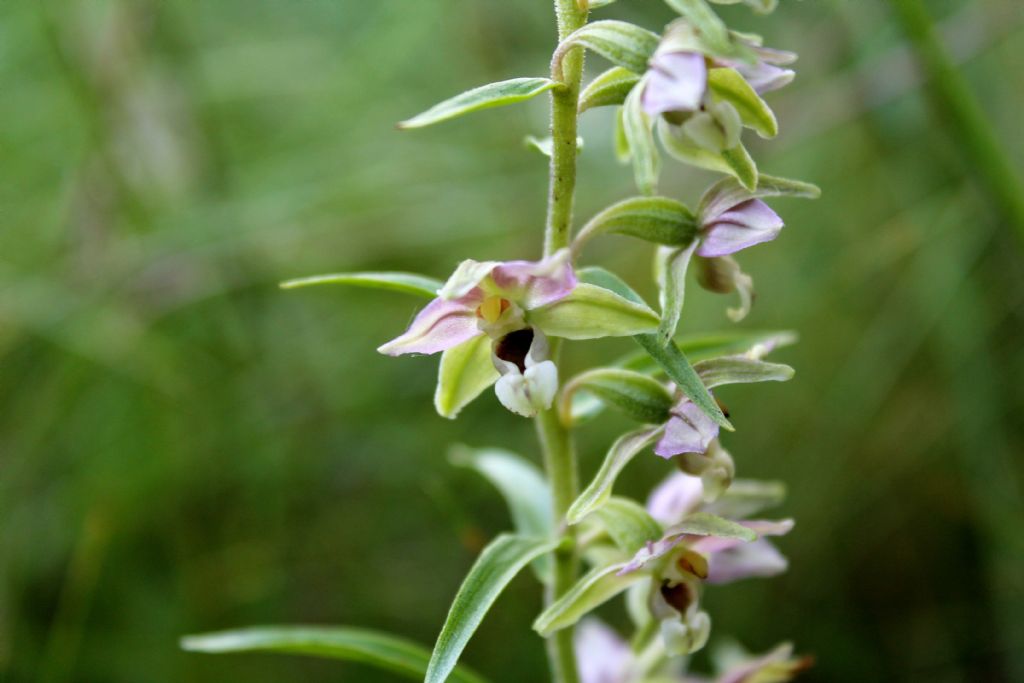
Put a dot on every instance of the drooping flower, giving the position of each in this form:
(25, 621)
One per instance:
(528, 380)
(488, 297)
(730, 222)
(688, 430)
(676, 82)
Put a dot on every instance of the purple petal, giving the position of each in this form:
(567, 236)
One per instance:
(532, 284)
(689, 430)
(441, 325)
(675, 497)
(603, 656)
(744, 225)
(764, 77)
(676, 81)
(749, 560)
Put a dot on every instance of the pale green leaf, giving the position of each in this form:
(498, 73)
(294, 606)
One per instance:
(592, 312)
(520, 483)
(698, 347)
(409, 283)
(484, 97)
(595, 588)
(336, 642)
(628, 523)
(465, 372)
(740, 370)
(638, 396)
(608, 88)
(621, 43)
(673, 264)
(654, 219)
(729, 86)
(497, 565)
(597, 493)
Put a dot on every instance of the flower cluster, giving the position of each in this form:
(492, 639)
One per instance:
(690, 92)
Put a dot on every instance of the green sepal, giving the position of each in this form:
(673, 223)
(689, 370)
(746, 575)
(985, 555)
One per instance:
(746, 497)
(592, 312)
(465, 372)
(407, 283)
(595, 588)
(639, 131)
(740, 370)
(736, 162)
(374, 648)
(706, 524)
(638, 396)
(660, 220)
(759, 6)
(609, 88)
(496, 566)
(622, 452)
(485, 97)
(714, 35)
(628, 524)
(729, 86)
(623, 44)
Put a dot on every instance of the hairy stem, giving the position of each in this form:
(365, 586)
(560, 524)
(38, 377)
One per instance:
(555, 440)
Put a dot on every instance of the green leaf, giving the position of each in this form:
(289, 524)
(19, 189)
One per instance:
(353, 644)
(621, 43)
(609, 88)
(773, 186)
(409, 283)
(465, 372)
(655, 219)
(740, 370)
(746, 497)
(622, 153)
(698, 347)
(497, 565)
(591, 312)
(638, 396)
(484, 97)
(520, 483)
(628, 523)
(597, 493)
(668, 356)
(729, 86)
(735, 162)
(673, 266)
(706, 524)
(639, 131)
(595, 588)
(678, 368)
(759, 6)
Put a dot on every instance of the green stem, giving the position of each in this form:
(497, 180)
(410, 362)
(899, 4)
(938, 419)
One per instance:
(956, 104)
(555, 439)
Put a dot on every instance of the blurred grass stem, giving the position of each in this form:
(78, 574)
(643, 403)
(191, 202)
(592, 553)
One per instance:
(556, 442)
(956, 104)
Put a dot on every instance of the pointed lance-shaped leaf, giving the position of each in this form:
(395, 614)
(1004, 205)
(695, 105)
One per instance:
(465, 372)
(409, 283)
(740, 370)
(759, 6)
(673, 266)
(597, 493)
(520, 482)
(497, 565)
(698, 347)
(609, 88)
(640, 397)
(361, 645)
(592, 312)
(729, 86)
(639, 131)
(486, 96)
(654, 219)
(623, 44)
(669, 357)
(595, 588)
(628, 523)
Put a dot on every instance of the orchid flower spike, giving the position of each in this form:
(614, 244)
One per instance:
(489, 297)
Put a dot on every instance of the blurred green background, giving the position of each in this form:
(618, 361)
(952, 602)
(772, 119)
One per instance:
(184, 447)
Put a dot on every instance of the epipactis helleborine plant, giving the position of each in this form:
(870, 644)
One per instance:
(696, 88)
